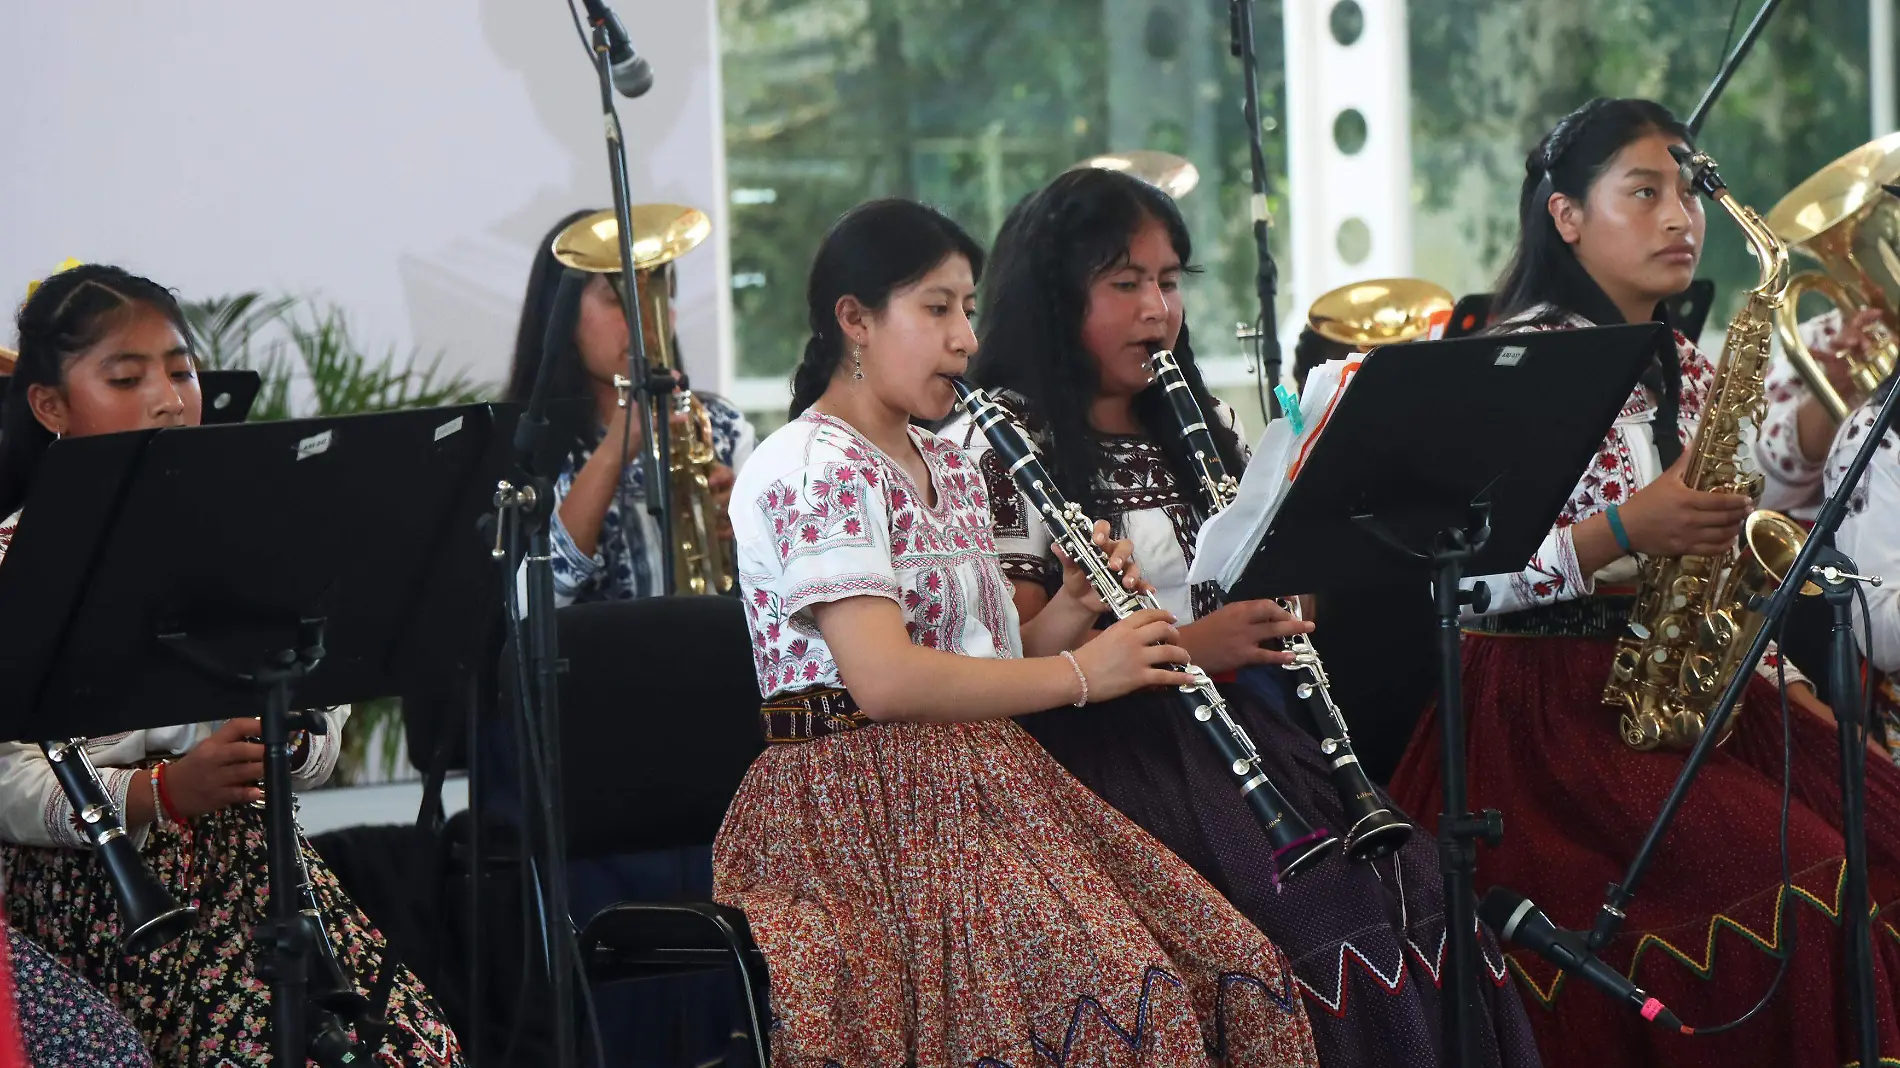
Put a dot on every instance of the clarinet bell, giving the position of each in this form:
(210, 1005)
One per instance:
(1303, 853)
(1378, 833)
(150, 919)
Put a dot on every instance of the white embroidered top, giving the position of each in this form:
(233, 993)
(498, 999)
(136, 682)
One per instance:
(34, 810)
(1870, 531)
(820, 514)
(1626, 462)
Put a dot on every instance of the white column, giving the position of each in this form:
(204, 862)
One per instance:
(1350, 214)
(1880, 66)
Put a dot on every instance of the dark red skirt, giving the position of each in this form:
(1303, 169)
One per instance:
(1705, 934)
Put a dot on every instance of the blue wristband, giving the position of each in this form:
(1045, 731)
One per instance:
(1616, 529)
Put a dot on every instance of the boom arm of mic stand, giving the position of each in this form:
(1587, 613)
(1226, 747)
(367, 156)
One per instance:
(1729, 64)
(1267, 277)
(1616, 901)
(655, 463)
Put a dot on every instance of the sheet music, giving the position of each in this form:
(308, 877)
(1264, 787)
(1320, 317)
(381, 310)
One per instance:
(1227, 541)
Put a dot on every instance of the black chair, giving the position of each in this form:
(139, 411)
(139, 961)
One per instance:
(659, 722)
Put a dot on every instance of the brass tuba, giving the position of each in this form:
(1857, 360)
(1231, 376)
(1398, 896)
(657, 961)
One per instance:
(1379, 311)
(1696, 615)
(1845, 220)
(702, 560)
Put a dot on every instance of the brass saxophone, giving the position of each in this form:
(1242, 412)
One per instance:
(1693, 616)
(703, 560)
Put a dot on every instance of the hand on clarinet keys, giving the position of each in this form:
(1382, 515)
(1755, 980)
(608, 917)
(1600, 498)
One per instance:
(1231, 637)
(1121, 559)
(1131, 655)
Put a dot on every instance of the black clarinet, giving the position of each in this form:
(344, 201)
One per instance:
(148, 917)
(1376, 830)
(1296, 845)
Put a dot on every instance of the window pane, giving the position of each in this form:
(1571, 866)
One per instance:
(969, 105)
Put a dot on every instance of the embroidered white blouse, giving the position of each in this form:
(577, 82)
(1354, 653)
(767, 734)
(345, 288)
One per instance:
(1870, 532)
(1626, 462)
(820, 514)
(34, 810)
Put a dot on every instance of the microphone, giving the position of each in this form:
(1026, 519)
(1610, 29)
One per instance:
(632, 74)
(1518, 920)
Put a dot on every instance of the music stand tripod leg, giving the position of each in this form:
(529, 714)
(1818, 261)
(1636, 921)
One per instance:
(1459, 829)
(1844, 696)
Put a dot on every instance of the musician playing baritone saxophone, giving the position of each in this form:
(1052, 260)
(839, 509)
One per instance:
(104, 351)
(1609, 228)
(605, 544)
(1087, 277)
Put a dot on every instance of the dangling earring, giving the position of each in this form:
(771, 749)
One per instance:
(857, 364)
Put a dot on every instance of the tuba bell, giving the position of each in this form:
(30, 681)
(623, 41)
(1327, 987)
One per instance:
(1379, 311)
(702, 560)
(1844, 219)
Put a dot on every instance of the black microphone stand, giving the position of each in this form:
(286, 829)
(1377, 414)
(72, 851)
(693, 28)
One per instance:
(1727, 70)
(1266, 335)
(531, 504)
(647, 388)
(1811, 564)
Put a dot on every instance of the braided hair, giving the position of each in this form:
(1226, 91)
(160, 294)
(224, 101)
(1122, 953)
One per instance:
(1544, 272)
(871, 252)
(68, 314)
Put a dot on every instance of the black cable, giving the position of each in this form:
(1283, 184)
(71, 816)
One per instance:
(580, 30)
(1792, 926)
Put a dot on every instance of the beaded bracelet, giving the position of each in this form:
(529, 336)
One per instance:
(164, 797)
(1083, 679)
(159, 818)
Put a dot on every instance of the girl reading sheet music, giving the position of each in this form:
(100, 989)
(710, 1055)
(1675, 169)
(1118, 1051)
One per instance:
(104, 351)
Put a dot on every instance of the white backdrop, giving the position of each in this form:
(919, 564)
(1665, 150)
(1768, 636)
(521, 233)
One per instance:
(399, 157)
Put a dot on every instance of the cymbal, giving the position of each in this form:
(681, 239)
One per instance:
(1837, 190)
(661, 233)
(1165, 171)
(1378, 311)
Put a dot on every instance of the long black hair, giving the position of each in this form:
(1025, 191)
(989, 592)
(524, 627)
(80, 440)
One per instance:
(570, 425)
(1051, 249)
(872, 251)
(69, 313)
(1544, 269)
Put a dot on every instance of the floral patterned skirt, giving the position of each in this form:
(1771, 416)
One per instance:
(63, 1022)
(198, 1001)
(938, 895)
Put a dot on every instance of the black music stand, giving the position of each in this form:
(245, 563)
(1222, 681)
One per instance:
(181, 575)
(1451, 458)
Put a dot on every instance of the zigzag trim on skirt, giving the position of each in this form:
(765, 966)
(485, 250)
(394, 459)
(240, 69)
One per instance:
(1704, 968)
(1392, 980)
(1087, 1005)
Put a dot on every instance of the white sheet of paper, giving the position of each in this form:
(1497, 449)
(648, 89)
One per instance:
(1226, 542)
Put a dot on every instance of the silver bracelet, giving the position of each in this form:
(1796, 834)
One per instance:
(1079, 677)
